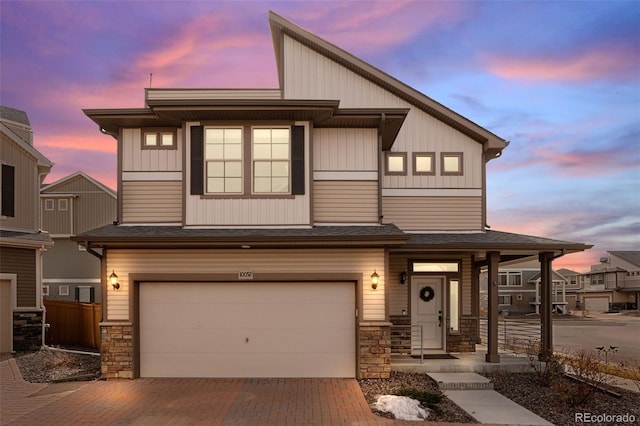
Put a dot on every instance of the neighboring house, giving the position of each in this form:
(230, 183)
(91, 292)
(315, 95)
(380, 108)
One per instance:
(519, 289)
(613, 284)
(21, 241)
(282, 232)
(71, 205)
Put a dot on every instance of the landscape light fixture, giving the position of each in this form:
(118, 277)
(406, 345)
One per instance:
(113, 279)
(375, 278)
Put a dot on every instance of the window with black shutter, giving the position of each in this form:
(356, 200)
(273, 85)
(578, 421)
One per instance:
(8, 190)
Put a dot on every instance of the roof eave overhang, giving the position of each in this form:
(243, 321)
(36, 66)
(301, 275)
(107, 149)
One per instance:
(240, 242)
(322, 113)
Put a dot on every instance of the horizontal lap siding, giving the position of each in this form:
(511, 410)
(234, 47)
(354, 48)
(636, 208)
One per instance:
(433, 213)
(345, 201)
(21, 262)
(151, 202)
(348, 261)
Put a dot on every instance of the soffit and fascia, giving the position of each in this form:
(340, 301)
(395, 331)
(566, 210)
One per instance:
(322, 113)
(113, 236)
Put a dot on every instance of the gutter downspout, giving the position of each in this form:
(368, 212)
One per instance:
(383, 119)
(90, 250)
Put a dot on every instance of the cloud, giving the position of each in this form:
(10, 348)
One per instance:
(100, 165)
(607, 62)
(377, 26)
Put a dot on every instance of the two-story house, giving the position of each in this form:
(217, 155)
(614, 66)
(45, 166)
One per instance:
(21, 241)
(613, 284)
(281, 232)
(519, 289)
(71, 205)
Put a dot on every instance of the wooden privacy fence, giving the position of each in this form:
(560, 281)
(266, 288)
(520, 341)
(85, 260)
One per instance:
(73, 323)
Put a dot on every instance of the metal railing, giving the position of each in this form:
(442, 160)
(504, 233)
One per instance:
(511, 331)
(407, 340)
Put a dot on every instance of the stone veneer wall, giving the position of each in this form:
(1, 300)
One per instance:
(465, 341)
(117, 350)
(27, 331)
(375, 350)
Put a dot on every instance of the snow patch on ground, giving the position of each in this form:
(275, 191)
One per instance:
(402, 407)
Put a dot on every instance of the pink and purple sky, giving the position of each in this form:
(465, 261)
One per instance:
(559, 80)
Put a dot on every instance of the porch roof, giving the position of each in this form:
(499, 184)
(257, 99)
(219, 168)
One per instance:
(25, 239)
(519, 244)
(124, 235)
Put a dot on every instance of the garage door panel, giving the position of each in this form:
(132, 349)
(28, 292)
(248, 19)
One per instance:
(596, 304)
(235, 340)
(269, 365)
(205, 334)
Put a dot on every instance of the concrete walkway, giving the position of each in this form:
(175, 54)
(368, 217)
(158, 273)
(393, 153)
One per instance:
(475, 395)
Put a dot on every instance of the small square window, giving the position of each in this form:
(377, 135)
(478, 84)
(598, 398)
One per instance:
(63, 204)
(504, 300)
(63, 290)
(45, 290)
(424, 163)
(49, 204)
(150, 139)
(452, 163)
(158, 139)
(396, 163)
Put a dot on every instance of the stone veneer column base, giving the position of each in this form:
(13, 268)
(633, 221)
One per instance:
(375, 350)
(465, 341)
(27, 331)
(117, 350)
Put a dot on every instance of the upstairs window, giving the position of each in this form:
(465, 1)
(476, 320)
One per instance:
(247, 161)
(271, 153)
(158, 139)
(49, 204)
(7, 200)
(396, 163)
(223, 157)
(63, 204)
(424, 163)
(510, 279)
(451, 164)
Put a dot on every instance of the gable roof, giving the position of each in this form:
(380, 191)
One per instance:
(632, 257)
(15, 115)
(49, 188)
(493, 144)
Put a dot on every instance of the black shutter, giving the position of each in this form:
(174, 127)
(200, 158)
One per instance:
(8, 190)
(297, 160)
(77, 294)
(197, 160)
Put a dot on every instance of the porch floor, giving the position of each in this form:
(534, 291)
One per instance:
(473, 362)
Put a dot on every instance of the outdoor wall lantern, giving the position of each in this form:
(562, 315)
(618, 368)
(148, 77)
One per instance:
(403, 277)
(375, 278)
(113, 279)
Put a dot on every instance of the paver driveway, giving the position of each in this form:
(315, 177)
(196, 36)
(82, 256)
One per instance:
(186, 401)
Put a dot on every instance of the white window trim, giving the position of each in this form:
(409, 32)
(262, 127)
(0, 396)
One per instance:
(49, 204)
(63, 204)
(241, 160)
(507, 274)
(63, 293)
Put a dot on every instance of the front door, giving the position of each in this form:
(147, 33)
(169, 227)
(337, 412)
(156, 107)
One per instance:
(427, 310)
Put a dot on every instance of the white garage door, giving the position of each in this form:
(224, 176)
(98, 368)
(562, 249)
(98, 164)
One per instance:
(247, 330)
(596, 304)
